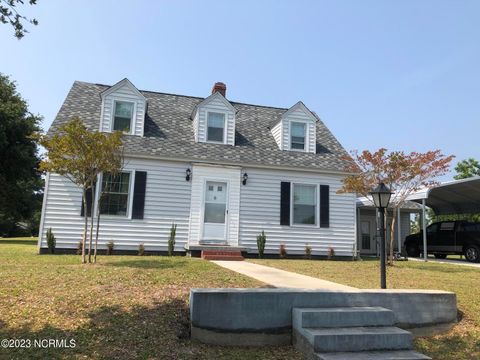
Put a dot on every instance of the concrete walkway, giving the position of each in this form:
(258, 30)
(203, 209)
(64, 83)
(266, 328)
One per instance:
(281, 278)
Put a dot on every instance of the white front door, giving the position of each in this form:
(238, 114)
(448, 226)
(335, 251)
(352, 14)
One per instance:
(215, 212)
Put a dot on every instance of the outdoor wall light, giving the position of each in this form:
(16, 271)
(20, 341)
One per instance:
(245, 178)
(381, 197)
(189, 174)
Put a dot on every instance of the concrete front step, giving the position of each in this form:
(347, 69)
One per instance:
(373, 355)
(342, 317)
(357, 338)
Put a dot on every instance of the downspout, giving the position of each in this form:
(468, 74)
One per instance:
(42, 217)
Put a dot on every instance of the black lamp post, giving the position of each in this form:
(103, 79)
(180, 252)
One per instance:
(381, 197)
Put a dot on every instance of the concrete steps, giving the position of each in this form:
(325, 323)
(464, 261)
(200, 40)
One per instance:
(233, 255)
(343, 317)
(373, 355)
(351, 333)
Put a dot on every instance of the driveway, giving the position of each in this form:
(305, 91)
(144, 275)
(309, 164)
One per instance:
(449, 261)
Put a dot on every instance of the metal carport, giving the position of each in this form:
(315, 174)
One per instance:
(454, 197)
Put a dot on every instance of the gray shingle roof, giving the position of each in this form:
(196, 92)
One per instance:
(169, 132)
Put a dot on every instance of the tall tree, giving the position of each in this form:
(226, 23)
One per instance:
(81, 155)
(20, 181)
(467, 168)
(402, 173)
(9, 14)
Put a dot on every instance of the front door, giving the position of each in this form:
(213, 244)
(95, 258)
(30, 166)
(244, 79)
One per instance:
(215, 212)
(367, 238)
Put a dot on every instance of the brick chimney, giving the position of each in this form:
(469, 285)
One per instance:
(220, 87)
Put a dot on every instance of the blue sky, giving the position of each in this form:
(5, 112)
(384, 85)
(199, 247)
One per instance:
(403, 75)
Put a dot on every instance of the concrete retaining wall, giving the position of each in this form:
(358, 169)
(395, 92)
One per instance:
(264, 316)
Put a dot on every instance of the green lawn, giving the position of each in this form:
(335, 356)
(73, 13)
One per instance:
(124, 307)
(462, 342)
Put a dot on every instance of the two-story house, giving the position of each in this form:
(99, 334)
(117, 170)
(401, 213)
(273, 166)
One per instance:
(223, 171)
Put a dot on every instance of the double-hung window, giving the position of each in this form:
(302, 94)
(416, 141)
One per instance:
(122, 116)
(304, 204)
(215, 127)
(115, 189)
(297, 135)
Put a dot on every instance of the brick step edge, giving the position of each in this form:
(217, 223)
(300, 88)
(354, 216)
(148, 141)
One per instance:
(223, 257)
(221, 253)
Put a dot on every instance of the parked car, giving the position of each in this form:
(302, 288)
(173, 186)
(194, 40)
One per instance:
(447, 238)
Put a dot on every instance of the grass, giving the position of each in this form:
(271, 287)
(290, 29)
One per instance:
(461, 342)
(124, 307)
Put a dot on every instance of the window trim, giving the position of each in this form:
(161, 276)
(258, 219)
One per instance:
(132, 120)
(306, 123)
(225, 125)
(131, 185)
(317, 205)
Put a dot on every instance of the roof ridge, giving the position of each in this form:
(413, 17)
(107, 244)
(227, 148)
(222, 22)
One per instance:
(188, 96)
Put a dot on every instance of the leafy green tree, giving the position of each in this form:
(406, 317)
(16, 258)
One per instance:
(467, 168)
(81, 155)
(9, 15)
(21, 184)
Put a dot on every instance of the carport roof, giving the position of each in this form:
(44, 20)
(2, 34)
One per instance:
(455, 197)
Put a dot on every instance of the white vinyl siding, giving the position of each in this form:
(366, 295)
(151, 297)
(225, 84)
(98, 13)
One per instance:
(167, 200)
(127, 94)
(260, 210)
(195, 126)
(277, 134)
(215, 105)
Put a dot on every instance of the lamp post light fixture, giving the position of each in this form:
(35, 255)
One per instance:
(245, 178)
(381, 197)
(188, 174)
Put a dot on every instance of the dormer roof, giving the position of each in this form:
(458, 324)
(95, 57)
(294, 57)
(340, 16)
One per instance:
(212, 97)
(120, 84)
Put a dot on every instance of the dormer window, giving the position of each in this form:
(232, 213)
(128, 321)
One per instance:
(123, 115)
(215, 127)
(297, 135)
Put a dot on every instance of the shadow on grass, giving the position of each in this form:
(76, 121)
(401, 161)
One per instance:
(19, 242)
(148, 264)
(449, 346)
(112, 332)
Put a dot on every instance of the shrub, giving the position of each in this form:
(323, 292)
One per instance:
(283, 251)
(261, 240)
(51, 242)
(308, 251)
(171, 239)
(110, 246)
(330, 253)
(79, 247)
(141, 249)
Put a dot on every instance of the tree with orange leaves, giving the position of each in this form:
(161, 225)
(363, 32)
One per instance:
(403, 173)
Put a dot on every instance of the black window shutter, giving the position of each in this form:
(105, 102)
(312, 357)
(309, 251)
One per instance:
(139, 194)
(89, 202)
(324, 206)
(285, 203)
